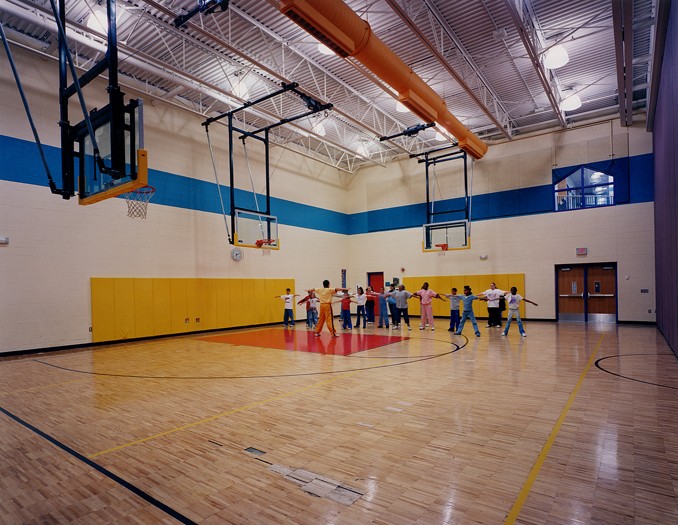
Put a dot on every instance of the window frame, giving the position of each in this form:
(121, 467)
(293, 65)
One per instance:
(583, 192)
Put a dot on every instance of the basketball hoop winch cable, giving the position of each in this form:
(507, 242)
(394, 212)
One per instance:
(254, 191)
(216, 177)
(76, 82)
(50, 180)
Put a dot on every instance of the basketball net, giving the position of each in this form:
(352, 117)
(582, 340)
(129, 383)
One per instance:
(137, 201)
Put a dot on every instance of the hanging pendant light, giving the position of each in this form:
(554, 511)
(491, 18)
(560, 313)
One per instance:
(571, 101)
(556, 57)
(401, 108)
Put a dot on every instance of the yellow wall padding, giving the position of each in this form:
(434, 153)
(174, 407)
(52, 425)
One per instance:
(478, 284)
(128, 308)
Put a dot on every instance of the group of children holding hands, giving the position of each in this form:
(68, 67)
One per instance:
(395, 302)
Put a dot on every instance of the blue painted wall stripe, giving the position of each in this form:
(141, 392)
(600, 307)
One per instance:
(21, 163)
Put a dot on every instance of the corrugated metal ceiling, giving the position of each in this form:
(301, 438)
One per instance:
(499, 91)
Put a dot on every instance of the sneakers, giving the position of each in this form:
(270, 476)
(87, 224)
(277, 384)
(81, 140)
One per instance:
(316, 334)
(433, 329)
(450, 330)
(488, 326)
(524, 334)
(335, 334)
(421, 327)
(457, 333)
(409, 328)
(477, 334)
(503, 334)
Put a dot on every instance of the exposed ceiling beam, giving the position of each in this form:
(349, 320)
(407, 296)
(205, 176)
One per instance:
(622, 21)
(532, 51)
(259, 65)
(480, 82)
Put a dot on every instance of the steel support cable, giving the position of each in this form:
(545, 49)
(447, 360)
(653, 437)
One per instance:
(254, 191)
(52, 184)
(76, 83)
(216, 177)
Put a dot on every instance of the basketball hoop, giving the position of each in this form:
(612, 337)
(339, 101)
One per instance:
(443, 247)
(137, 201)
(264, 243)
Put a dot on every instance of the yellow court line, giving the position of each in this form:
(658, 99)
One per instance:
(527, 486)
(223, 414)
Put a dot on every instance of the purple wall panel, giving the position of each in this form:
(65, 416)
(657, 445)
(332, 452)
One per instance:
(665, 147)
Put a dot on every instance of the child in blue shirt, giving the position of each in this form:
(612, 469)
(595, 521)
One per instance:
(455, 299)
(467, 311)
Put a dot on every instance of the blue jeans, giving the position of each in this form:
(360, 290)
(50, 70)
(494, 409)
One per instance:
(369, 308)
(454, 320)
(395, 314)
(467, 315)
(360, 311)
(289, 315)
(346, 319)
(383, 316)
(404, 313)
(311, 317)
(511, 314)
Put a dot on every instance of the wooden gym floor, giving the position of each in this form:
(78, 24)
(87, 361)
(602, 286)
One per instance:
(574, 424)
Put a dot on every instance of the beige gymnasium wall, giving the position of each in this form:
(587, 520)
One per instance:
(532, 245)
(56, 246)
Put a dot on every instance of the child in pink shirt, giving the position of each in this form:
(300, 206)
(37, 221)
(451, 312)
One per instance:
(426, 297)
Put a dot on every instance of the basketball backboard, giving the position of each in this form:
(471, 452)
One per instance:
(256, 230)
(444, 236)
(121, 147)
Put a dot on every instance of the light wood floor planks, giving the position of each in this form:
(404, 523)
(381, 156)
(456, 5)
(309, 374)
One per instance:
(502, 430)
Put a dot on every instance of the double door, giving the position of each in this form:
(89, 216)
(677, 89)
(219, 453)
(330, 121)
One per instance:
(587, 292)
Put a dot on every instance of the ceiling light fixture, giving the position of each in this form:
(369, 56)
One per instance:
(241, 90)
(324, 50)
(556, 57)
(362, 150)
(98, 20)
(570, 102)
(401, 108)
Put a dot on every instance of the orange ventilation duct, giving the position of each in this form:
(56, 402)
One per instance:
(334, 24)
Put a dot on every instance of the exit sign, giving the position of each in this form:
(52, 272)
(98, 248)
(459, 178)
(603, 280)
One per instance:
(582, 251)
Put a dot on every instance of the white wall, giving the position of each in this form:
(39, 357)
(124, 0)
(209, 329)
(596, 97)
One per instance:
(57, 245)
(532, 245)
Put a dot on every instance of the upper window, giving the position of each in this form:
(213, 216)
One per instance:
(584, 188)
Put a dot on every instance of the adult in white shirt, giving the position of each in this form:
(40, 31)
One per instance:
(493, 294)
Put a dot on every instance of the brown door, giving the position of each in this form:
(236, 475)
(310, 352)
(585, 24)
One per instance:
(587, 292)
(601, 284)
(571, 288)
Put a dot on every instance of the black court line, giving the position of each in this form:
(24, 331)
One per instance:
(126, 484)
(275, 376)
(600, 367)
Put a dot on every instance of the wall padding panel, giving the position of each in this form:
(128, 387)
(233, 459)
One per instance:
(128, 308)
(478, 283)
